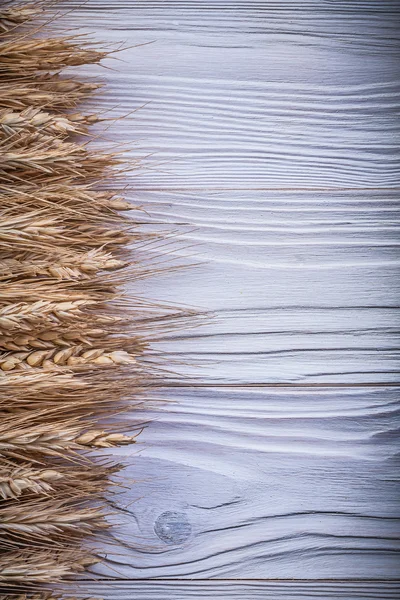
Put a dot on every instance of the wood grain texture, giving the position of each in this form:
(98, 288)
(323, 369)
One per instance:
(259, 97)
(263, 483)
(236, 590)
(327, 7)
(284, 345)
(299, 286)
(281, 249)
(269, 134)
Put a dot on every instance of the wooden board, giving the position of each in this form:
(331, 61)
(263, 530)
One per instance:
(299, 287)
(236, 590)
(258, 97)
(265, 483)
(268, 133)
(285, 345)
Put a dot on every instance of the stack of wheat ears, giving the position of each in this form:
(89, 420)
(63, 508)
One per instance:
(71, 338)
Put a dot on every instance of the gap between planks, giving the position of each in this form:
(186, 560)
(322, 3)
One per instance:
(273, 385)
(224, 580)
(245, 589)
(237, 579)
(328, 190)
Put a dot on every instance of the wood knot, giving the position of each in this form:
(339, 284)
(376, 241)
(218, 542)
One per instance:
(173, 527)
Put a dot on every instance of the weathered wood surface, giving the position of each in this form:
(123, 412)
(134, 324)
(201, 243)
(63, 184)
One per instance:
(256, 98)
(271, 130)
(290, 345)
(263, 482)
(244, 590)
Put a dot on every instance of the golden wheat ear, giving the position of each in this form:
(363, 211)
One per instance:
(13, 16)
(72, 340)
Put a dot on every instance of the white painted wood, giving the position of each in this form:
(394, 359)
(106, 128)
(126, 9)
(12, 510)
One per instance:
(298, 286)
(339, 7)
(236, 590)
(272, 134)
(262, 483)
(280, 249)
(284, 345)
(261, 248)
(255, 98)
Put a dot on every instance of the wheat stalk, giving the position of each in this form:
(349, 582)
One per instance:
(72, 340)
(12, 17)
(82, 265)
(70, 201)
(37, 158)
(47, 91)
(23, 315)
(34, 119)
(26, 384)
(42, 566)
(45, 54)
(70, 393)
(40, 596)
(39, 521)
(71, 357)
(59, 481)
(67, 482)
(21, 231)
(87, 339)
(24, 479)
(29, 226)
(55, 439)
(51, 338)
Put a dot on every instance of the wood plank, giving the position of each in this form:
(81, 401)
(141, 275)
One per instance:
(340, 216)
(339, 6)
(263, 250)
(284, 345)
(297, 286)
(255, 98)
(262, 483)
(294, 106)
(280, 249)
(246, 590)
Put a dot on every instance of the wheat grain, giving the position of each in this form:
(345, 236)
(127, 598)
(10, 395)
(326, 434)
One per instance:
(34, 119)
(22, 479)
(23, 315)
(47, 91)
(42, 566)
(44, 54)
(36, 522)
(12, 17)
(71, 341)
(72, 356)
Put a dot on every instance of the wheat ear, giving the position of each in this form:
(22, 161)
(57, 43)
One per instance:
(14, 16)
(24, 479)
(73, 336)
(36, 120)
(42, 566)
